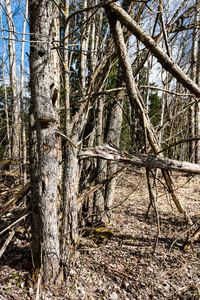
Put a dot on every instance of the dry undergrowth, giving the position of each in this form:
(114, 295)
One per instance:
(124, 266)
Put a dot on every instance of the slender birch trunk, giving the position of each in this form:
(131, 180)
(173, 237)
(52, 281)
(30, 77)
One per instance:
(44, 151)
(23, 127)
(55, 84)
(84, 48)
(70, 168)
(192, 110)
(197, 105)
(5, 90)
(98, 33)
(113, 134)
(98, 202)
(13, 83)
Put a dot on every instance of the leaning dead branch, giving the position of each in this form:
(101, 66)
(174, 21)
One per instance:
(25, 214)
(15, 225)
(14, 199)
(143, 160)
(6, 243)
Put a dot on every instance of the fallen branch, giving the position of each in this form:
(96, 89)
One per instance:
(12, 233)
(6, 243)
(17, 221)
(14, 199)
(148, 161)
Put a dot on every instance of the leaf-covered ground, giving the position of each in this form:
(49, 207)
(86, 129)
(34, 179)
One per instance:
(129, 264)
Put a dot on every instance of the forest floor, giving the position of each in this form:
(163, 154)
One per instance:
(126, 265)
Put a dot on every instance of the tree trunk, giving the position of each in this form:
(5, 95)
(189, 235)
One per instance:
(70, 167)
(13, 83)
(5, 90)
(84, 48)
(113, 135)
(23, 127)
(98, 203)
(44, 151)
(192, 111)
(197, 105)
(70, 205)
(55, 83)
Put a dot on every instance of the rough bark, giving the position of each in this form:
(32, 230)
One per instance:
(98, 204)
(55, 82)
(44, 145)
(70, 205)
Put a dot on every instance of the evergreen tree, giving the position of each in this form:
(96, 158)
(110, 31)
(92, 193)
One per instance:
(154, 108)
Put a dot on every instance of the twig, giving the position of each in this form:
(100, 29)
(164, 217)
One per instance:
(37, 297)
(2, 297)
(6, 243)
(13, 200)
(116, 98)
(14, 223)
(189, 241)
(164, 90)
(164, 29)
(13, 295)
(179, 142)
(66, 138)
